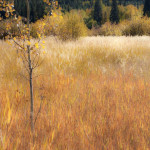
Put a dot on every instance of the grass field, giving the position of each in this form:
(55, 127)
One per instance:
(94, 94)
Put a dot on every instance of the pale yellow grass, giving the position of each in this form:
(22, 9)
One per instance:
(85, 55)
(92, 53)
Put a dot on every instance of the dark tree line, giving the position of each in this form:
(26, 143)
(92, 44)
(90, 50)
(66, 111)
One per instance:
(114, 14)
(147, 8)
(81, 4)
(37, 8)
(78, 4)
(98, 16)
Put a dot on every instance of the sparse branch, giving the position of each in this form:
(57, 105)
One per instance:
(23, 76)
(33, 62)
(27, 69)
(37, 60)
(19, 30)
(38, 64)
(18, 44)
(39, 110)
(25, 56)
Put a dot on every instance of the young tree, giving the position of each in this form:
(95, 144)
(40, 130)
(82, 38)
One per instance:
(29, 53)
(98, 16)
(146, 9)
(30, 65)
(114, 14)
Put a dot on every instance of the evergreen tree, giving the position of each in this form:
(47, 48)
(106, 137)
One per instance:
(147, 8)
(105, 17)
(114, 14)
(108, 3)
(37, 8)
(137, 3)
(98, 12)
(124, 3)
(120, 2)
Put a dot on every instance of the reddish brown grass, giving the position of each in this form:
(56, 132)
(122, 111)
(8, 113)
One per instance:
(80, 111)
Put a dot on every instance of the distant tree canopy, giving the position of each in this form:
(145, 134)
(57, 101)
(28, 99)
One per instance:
(83, 4)
(3, 14)
(36, 11)
(78, 4)
(146, 9)
(38, 8)
(72, 4)
(114, 14)
(6, 9)
(98, 12)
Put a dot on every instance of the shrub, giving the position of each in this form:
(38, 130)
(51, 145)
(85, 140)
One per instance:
(71, 26)
(12, 27)
(48, 25)
(128, 12)
(108, 29)
(137, 27)
(34, 32)
(52, 23)
(90, 22)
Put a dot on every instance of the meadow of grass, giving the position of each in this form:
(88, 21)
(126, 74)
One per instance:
(94, 93)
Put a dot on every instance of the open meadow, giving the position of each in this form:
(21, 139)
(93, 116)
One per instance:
(89, 94)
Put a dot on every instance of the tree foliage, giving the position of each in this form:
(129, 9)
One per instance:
(147, 8)
(37, 8)
(71, 27)
(114, 14)
(98, 16)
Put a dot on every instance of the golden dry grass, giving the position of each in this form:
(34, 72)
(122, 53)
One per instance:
(94, 93)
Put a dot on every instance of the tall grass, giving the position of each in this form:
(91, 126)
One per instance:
(94, 94)
(105, 53)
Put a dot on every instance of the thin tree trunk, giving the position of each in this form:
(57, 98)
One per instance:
(30, 68)
(31, 91)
